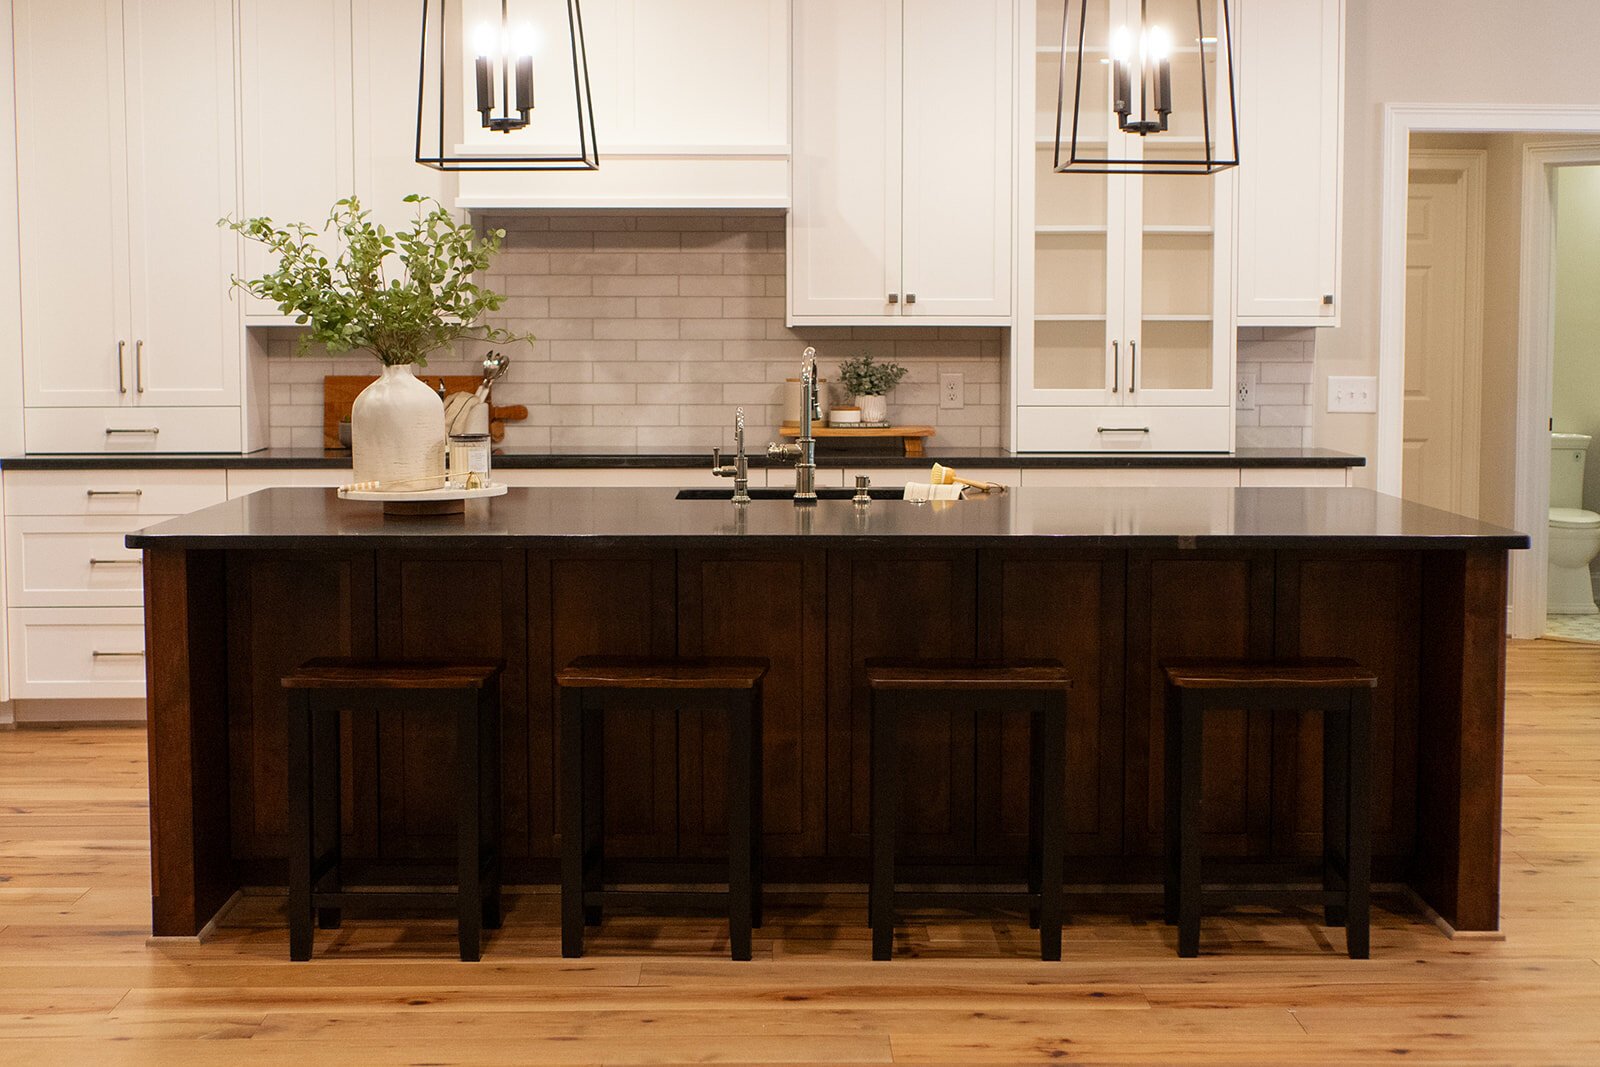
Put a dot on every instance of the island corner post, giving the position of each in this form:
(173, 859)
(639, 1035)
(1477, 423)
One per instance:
(1434, 621)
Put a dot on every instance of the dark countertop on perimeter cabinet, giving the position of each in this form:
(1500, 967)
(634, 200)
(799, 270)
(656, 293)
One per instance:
(304, 458)
(294, 519)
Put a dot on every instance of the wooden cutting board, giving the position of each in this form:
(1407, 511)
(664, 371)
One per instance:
(339, 392)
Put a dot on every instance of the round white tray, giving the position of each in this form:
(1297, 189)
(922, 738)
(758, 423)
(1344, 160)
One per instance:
(424, 496)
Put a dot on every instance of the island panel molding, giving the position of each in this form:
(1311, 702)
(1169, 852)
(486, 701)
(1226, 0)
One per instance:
(1112, 581)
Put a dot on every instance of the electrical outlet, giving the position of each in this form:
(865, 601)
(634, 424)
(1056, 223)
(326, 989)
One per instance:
(1353, 395)
(1247, 390)
(952, 390)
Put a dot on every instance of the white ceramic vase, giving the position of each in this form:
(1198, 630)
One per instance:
(397, 429)
(873, 408)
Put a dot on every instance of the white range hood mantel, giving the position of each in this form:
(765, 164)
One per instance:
(657, 178)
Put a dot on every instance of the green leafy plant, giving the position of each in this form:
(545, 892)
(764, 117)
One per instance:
(864, 376)
(399, 294)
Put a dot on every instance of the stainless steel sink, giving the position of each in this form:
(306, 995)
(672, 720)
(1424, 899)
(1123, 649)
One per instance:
(787, 495)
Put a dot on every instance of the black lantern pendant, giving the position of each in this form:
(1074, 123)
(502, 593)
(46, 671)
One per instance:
(504, 39)
(1135, 82)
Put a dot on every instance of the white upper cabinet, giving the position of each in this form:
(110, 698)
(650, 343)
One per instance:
(1291, 120)
(903, 173)
(125, 163)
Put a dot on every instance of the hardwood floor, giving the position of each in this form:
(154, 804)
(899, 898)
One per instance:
(80, 983)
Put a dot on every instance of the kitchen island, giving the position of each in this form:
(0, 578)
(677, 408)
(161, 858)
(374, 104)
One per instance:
(1109, 581)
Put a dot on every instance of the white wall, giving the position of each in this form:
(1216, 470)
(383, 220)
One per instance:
(1431, 52)
(1577, 341)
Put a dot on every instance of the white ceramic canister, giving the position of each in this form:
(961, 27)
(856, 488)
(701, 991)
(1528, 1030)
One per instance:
(873, 408)
(397, 429)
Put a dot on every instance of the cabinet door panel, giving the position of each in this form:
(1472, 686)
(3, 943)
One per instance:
(844, 228)
(770, 606)
(1036, 605)
(71, 179)
(957, 119)
(929, 614)
(436, 608)
(181, 180)
(283, 611)
(1185, 604)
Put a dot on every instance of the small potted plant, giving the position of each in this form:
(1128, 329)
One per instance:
(870, 382)
(399, 294)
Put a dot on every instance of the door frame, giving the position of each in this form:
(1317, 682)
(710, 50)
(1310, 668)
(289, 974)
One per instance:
(1534, 369)
(1472, 164)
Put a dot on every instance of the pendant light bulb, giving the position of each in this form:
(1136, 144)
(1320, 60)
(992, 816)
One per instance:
(484, 40)
(524, 40)
(1159, 43)
(1121, 44)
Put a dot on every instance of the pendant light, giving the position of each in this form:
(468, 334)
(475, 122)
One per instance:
(504, 85)
(1152, 96)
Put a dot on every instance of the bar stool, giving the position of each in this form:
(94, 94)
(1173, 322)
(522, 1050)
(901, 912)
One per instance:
(469, 692)
(1342, 690)
(591, 685)
(905, 687)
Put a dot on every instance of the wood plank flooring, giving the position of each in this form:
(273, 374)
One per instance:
(80, 983)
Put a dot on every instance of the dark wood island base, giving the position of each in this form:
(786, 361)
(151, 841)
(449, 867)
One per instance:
(1109, 582)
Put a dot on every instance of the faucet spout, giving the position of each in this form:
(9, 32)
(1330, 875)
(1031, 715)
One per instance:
(805, 468)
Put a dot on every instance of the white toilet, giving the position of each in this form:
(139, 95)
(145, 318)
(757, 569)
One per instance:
(1574, 532)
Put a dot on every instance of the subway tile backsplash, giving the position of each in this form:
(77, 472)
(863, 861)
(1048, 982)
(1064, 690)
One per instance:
(652, 328)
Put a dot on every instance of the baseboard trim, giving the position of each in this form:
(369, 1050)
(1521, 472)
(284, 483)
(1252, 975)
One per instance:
(154, 941)
(1450, 931)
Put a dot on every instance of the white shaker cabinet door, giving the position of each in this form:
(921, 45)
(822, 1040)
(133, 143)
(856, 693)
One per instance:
(73, 202)
(958, 158)
(181, 180)
(1291, 93)
(845, 227)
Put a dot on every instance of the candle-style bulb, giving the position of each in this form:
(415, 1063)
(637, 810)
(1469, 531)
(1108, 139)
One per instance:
(524, 40)
(1160, 43)
(484, 40)
(1121, 44)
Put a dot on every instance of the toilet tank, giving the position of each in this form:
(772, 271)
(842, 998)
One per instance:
(1568, 451)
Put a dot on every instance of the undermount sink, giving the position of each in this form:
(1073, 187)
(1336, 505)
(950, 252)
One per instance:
(787, 495)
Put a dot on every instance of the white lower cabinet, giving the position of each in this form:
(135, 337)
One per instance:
(73, 561)
(132, 430)
(82, 653)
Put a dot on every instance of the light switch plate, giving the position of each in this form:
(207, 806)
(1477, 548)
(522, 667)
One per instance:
(1352, 395)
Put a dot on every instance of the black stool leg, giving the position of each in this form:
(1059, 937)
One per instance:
(758, 803)
(489, 801)
(1357, 926)
(326, 846)
(572, 823)
(1036, 773)
(1171, 797)
(1189, 732)
(469, 828)
(1053, 817)
(885, 789)
(740, 746)
(1335, 814)
(594, 803)
(302, 841)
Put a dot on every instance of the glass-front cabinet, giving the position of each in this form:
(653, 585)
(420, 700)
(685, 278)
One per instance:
(1128, 339)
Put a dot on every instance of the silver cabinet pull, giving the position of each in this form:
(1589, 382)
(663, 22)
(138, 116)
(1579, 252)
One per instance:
(1123, 429)
(116, 492)
(894, 298)
(122, 358)
(97, 654)
(138, 365)
(1116, 366)
(1133, 366)
(114, 562)
(112, 431)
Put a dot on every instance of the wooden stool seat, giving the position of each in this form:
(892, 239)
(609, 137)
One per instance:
(593, 685)
(1341, 690)
(318, 690)
(1039, 687)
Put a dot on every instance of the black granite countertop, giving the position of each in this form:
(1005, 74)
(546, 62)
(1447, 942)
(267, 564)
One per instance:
(306, 458)
(300, 519)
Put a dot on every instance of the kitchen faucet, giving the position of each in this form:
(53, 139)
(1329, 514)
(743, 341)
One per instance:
(740, 471)
(803, 453)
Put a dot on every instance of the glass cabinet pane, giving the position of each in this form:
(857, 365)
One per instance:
(1070, 274)
(1175, 355)
(1177, 274)
(1070, 355)
(1068, 199)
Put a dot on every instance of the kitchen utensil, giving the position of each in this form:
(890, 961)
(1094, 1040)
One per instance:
(922, 492)
(494, 368)
(942, 475)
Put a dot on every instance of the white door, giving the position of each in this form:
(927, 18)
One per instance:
(295, 98)
(181, 180)
(845, 223)
(73, 198)
(1444, 321)
(958, 158)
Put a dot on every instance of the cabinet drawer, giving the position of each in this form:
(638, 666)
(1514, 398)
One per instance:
(1124, 429)
(77, 561)
(77, 652)
(123, 492)
(1297, 477)
(131, 430)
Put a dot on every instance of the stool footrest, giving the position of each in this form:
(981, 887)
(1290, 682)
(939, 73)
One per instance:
(916, 898)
